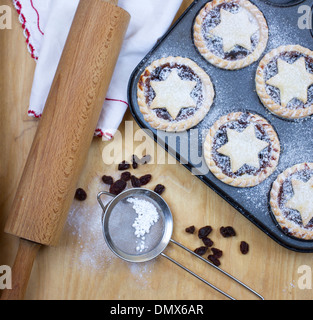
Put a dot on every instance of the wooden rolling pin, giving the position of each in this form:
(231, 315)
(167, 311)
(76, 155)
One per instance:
(64, 134)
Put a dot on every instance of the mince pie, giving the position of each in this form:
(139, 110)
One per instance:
(242, 149)
(284, 81)
(174, 94)
(230, 34)
(291, 201)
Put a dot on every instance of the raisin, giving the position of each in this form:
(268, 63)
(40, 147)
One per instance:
(201, 251)
(123, 166)
(135, 182)
(126, 176)
(244, 247)
(117, 187)
(227, 232)
(135, 161)
(80, 194)
(214, 260)
(204, 232)
(145, 159)
(217, 252)
(159, 189)
(207, 242)
(145, 179)
(190, 229)
(107, 179)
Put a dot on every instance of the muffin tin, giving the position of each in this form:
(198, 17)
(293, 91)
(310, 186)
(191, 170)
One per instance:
(235, 91)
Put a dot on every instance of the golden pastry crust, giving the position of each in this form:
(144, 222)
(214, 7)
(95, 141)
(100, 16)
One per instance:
(242, 180)
(289, 226)
(218, 61)
(267, 100)
(185, 123)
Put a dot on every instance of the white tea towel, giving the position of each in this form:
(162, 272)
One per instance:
(46, 24)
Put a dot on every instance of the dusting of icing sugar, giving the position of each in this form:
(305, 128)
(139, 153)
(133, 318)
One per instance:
(142, 273)
(276, 36)
(85, 230)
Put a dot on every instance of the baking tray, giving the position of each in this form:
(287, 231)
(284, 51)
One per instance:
(235, 91)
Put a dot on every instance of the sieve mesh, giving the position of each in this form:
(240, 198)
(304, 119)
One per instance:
(122, 233)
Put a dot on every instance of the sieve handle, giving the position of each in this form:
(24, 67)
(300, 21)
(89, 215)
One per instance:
(212, 265)
(104, 207)
(195, 275)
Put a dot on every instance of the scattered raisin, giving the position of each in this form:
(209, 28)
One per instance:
(145, 179)
(244, 247)
(204, 232)
(123, 166)
(227, 232)
(107, 179)
(126, 176)
(159, 189)
(145, 159)
(201, 251)
(135, 161)
(190, 229)
(135, 182)
(217, 252)
(207, 242)
(214, 260)
(117, 187)
(80, 194)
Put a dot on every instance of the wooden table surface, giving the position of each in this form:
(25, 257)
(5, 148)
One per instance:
(82, 267)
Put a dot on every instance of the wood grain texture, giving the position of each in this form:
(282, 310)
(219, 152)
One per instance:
(82, 267)
(66, 129)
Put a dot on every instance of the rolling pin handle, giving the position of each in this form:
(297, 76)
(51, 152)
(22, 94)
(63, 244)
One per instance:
(26, 254)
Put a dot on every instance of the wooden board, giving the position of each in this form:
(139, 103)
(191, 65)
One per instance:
(82, 267)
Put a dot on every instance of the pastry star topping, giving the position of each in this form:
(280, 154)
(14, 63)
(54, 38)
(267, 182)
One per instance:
(293, 81)
(173, 94)
(243, 148)
(235, 29)
(302, 199)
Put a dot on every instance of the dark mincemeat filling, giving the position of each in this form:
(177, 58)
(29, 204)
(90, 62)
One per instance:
(160, 74)
(286, 192)
(215, 44)
(271, 70)
(223, 162)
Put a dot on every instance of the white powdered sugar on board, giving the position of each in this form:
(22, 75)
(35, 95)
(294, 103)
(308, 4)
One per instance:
(147, 216)
(85, 230)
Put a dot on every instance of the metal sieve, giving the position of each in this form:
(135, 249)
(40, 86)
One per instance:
(117, 223)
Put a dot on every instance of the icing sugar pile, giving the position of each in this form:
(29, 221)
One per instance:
(147, 216)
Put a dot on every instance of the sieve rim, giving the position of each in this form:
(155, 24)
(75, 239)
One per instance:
(167, 220)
